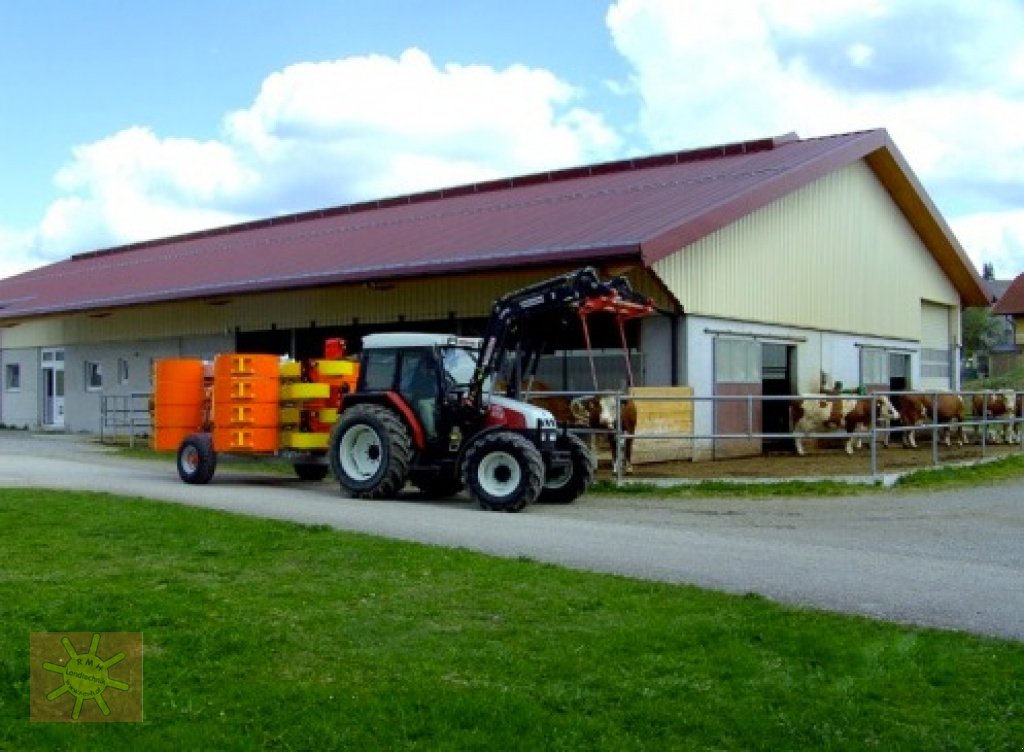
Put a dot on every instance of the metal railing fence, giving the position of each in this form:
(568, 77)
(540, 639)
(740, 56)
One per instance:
(125, 416)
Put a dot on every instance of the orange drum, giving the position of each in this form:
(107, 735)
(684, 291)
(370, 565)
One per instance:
(261, 415)
(245, 390)
(231, 365)
(169, 439)
(178, 401)
(245, 439)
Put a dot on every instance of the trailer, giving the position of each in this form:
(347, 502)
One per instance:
(250, 404)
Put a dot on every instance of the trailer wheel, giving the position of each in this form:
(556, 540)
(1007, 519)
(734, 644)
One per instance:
(310, 471)
(503, 471)
(370, 452)
(196, 458)
(564, 485)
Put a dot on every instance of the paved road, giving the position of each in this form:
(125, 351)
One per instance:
(949, 560)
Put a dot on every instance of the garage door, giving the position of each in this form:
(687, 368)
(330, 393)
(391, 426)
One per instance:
(936, 346)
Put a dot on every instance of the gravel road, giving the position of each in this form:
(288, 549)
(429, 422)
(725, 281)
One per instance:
(951, 560)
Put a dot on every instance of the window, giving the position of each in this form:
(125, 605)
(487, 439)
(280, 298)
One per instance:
(874, 367)
(93, 376)
(935, 363)
(737, 361)
(379, 368)
(12, 377)
(122, 371)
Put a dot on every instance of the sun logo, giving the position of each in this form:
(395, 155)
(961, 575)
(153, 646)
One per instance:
(86, 676)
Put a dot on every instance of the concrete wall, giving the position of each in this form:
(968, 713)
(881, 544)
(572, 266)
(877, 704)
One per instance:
(20, 408)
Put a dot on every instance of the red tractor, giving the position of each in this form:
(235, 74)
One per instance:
(426, 409)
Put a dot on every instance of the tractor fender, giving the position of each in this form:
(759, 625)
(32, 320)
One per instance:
(393, 401)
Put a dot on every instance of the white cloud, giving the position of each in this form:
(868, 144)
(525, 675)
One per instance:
(317, 134)
(946, 79)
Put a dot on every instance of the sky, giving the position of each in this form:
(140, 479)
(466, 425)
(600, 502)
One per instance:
(126, 121)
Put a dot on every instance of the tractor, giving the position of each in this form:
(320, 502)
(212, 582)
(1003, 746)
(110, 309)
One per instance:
(445, 412)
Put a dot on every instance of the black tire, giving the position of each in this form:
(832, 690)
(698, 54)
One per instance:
(566, 486)
(437, 486)
(310, 471)
(196, 459)
(370, 452)
(503, 471)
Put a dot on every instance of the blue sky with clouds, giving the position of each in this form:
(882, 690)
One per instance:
(129, 121)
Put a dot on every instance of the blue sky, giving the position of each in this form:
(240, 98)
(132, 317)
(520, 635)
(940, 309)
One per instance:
(128, 121)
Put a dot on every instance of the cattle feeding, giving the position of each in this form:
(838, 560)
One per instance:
(1002, 407)
(599, 413)
(943, 409)
(822, 413)
(596, 413)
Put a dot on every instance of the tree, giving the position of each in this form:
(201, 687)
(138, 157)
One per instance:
(981, 331)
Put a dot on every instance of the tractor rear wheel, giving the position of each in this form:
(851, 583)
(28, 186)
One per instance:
(564, 485)
(503, 471)
(370, 452)
(196, 458)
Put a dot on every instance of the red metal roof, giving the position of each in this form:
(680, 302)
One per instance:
(641, 209)
(1011, 302)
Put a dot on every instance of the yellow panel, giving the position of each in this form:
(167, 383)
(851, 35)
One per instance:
(328, 415)
(337, 367)
(290, 369)
(290, 416)
(298, 440)
(305, 391)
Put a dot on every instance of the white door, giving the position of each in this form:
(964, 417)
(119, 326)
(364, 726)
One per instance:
(937, 352)
(53, 388)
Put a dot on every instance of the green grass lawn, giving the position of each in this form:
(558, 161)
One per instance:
(262, 634)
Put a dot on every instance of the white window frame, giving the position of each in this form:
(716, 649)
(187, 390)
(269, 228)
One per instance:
(122, 371)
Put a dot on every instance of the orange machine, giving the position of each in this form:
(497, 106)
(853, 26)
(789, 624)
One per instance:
(251, 404)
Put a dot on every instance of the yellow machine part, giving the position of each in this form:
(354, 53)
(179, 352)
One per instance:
(304, 391)
(300, 440)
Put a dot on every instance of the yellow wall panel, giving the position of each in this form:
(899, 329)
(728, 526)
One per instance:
(836, 255)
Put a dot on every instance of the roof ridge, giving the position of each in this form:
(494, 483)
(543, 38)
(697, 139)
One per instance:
(628, 164)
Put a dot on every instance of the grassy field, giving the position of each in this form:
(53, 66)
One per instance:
(268, 635)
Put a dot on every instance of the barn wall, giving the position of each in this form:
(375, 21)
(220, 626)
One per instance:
(836, 255)
(20, 407)
(821, 357)
(415, 300)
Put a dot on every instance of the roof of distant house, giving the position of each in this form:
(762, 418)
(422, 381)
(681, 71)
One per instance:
(1011, 302)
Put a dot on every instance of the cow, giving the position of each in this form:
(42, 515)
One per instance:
(938, 408)
(912, 412)
(594, 412)
(999, 406)
(599, 413)
(820, 413)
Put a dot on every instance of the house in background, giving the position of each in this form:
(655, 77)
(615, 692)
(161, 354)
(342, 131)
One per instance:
(778, 266)
(1007, 353)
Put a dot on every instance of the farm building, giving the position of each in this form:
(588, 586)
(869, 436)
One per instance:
(779, 266)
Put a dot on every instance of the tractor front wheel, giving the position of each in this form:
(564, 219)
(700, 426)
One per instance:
(503, 471)
(564, 485)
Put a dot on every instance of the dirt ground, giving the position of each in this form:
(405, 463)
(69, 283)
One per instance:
(821, 462)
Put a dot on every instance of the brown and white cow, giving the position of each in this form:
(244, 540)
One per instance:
(941, 408)
(599, 413)
(593, 412)
(823, 413)
(1000, 406)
